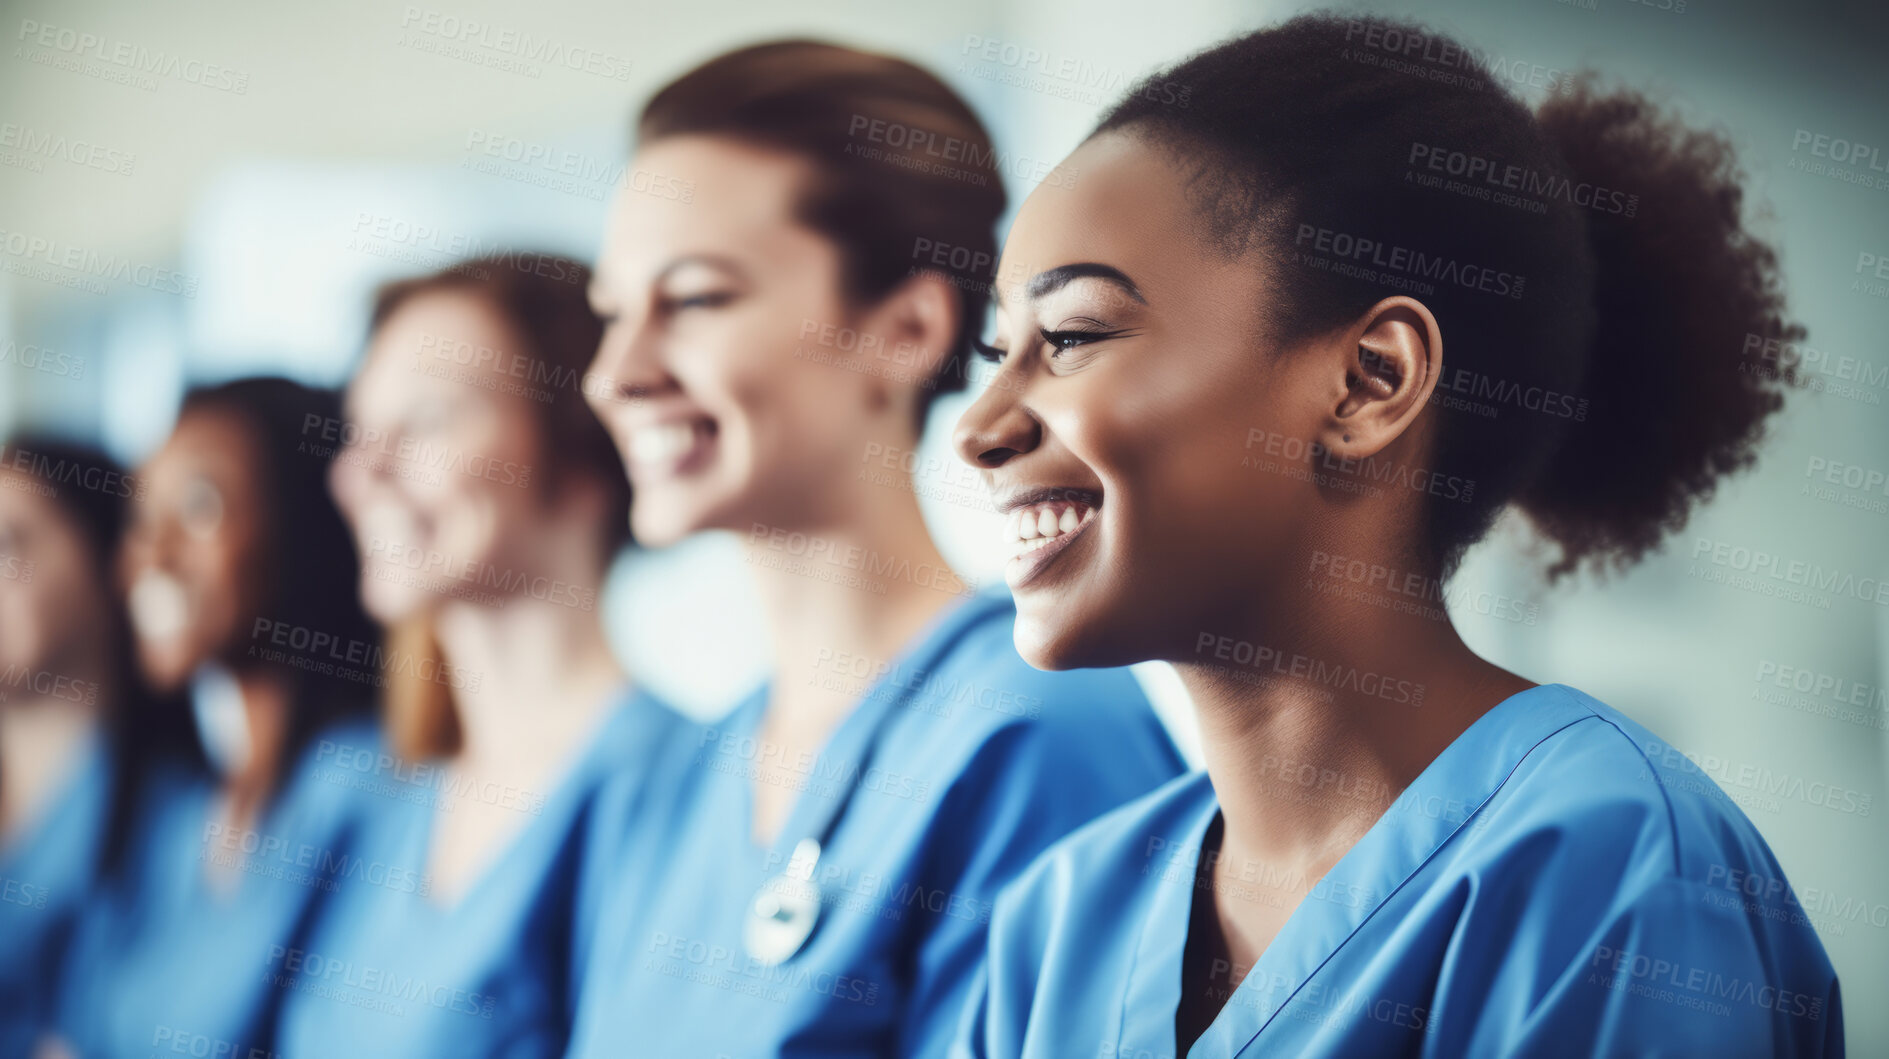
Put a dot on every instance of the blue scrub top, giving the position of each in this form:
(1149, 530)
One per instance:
(166, 961)
(391, 971)
(1556, 882)
(963, 763)
(46, 874)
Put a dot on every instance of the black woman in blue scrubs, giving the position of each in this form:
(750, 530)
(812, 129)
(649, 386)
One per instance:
(238, 570)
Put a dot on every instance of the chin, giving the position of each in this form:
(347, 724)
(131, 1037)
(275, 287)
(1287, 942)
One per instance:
(165, 674)
(1054, 642)
(386, 607)
(658, 528)
(659, 519)
(1104, 630)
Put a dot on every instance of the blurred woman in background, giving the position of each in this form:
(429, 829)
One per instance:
(488, 504)
(1227, 350)
(78, 731)
(238, 567)
(788, 280)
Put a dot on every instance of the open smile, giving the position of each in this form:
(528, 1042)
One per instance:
(670, 448)
(1043, 524)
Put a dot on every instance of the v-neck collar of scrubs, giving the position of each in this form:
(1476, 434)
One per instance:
(569, 787)
(815, 812)
(1442, 799)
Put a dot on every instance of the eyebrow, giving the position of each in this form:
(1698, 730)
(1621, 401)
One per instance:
(726, 264)
(1044, 284)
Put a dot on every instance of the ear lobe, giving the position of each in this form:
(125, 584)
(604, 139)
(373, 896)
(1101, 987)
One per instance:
(1392, 363)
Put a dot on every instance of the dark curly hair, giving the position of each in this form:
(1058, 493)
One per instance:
(1626, 287)
(876, 199)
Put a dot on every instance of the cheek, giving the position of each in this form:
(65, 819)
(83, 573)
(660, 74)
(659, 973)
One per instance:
(484, 490)
(1190, 507)
(784, 404)
(721, 358)
(814, 412)
(64, 598)
(232, 572)
(25, 624)
(460, 519)
(754, 378)
(1162, 454)
(510, 522)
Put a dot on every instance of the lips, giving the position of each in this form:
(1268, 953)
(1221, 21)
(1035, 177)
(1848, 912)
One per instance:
(1043, 524)
(671, 447)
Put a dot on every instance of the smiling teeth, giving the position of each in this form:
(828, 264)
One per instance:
(159, 606)
(1039, 525)
(663, 443)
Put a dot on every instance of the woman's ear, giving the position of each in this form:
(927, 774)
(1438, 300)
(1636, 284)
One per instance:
(916, 324)
(1389, 359)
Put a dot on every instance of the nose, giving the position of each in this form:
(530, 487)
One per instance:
(150, 542)
(997, 427)
(347, 477)
(629, 365)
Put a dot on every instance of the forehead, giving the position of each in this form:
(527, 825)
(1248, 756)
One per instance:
(435, 321)
(728, 198)
(206, 441)
(452, 329)
(1127, 208)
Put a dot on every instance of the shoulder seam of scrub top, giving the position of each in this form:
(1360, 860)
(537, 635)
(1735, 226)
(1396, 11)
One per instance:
(1416, 870)
(1665, 796)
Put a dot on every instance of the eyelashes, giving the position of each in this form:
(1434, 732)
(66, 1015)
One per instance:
(705, 300)
(1060, 341)
(675, 304)
(1068, 339)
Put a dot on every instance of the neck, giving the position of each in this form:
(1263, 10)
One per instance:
(267, 710)
(1312, 728)
(545, 675)
(846, 590)
(40, 739)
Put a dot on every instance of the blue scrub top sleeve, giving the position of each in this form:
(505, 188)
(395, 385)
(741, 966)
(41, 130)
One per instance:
(1671, 974)
(1027, 786)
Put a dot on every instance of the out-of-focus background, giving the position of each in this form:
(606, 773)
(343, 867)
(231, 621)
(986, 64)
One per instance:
(192, 191)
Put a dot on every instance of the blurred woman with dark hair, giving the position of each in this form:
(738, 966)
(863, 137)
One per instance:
(237, 567)
(488, 505)
(79, 731)
(1398, 847)
(789, 278)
